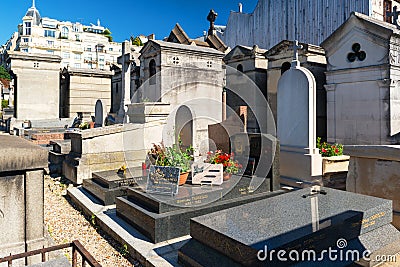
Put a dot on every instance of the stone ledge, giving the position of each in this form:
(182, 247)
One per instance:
(107, 130)
(383, 152)
(19, 154)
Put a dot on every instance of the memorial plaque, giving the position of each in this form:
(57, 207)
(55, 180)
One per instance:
(163, 180)
(206, 173)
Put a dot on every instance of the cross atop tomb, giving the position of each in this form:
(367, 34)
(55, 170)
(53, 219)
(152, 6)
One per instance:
(212, 16)
(296, 47)
(395, 14)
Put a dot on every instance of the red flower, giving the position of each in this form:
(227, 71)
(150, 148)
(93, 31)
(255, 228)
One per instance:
(336, 150)
(324, 150)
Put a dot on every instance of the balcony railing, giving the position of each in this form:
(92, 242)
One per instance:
(76, 248)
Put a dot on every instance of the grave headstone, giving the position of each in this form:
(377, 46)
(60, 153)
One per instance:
(100, 114)
(279, 231)
(163, 180)
(296, 127)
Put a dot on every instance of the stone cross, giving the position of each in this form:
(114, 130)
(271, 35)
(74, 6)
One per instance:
(395, 14)
(125, 78)
(212, 16)
(296, 46)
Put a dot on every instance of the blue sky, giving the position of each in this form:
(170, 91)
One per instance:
(126, 17)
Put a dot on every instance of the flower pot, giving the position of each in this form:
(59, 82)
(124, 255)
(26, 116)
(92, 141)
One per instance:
(183, 177)
(226, 176)
(91, 124)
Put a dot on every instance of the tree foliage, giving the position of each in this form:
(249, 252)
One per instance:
(4, 73)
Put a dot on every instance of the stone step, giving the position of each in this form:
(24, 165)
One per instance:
(285, 222)
(160, 227)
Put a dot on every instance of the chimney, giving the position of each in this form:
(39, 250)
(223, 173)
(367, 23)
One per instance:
(240, 7)
(151, 36)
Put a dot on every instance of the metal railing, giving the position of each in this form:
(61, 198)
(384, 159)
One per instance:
(77, 247)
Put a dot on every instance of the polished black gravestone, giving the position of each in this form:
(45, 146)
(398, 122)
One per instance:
(108, 185)
(300, 221)
(162, 218)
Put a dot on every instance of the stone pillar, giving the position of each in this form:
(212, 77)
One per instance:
(125, 78)
(21, 197)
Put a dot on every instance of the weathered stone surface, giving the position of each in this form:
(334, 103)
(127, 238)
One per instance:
(362, 98)
(374, 171)
(21, 197)
(19, 154)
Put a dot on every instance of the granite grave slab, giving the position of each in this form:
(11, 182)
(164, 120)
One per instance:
(297, 221)
(108, 185)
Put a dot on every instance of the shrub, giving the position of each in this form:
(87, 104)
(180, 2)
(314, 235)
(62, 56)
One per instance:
(329, 150)
(4, 103)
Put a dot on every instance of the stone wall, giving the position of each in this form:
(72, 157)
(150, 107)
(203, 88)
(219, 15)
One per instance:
(374, 171)
(37, 94)
(21, 197)
(82, 88)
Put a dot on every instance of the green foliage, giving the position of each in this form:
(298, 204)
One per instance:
(93, 219)
(124, 250)
(110, 39)
(137, 41)
(106, 32)
(171, 156)
(329, 150)
(4, 103)
(4, 73)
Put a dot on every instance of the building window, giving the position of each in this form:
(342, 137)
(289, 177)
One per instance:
(99, 48)
(77, 37)
(88, 49)
(77, 56)
(101, 58)
(66, 55)
(152, 71)
(75, 28)
(209, 64)
(28, 26)
(175, 60)
(50, 52)
(49, 33)
(64, 32)
(89, 65)
(50, 43)
(101, 66)
(25, 40)
(240, 67)
(25, 50)
(110, 49)
(77, 65)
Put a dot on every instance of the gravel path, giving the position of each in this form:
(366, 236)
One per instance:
(65, 224)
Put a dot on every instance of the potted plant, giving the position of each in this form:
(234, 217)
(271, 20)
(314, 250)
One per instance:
(334, 164)
(174, 157)
(230, 165)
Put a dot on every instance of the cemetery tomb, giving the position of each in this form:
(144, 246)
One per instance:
(165, 215)
(311, 219)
